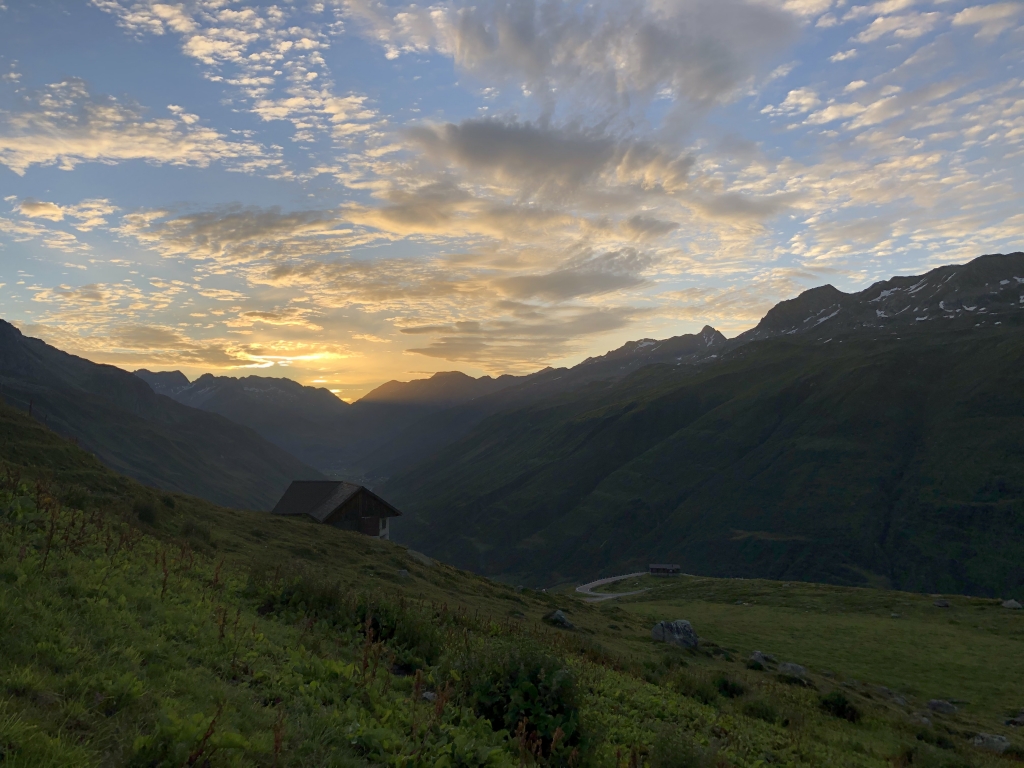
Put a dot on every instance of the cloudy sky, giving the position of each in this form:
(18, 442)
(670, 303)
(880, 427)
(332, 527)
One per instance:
(349, 191)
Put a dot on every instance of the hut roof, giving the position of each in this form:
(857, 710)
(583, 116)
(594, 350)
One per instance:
(321, 498)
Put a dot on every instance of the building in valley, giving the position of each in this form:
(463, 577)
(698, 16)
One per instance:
(334, 502)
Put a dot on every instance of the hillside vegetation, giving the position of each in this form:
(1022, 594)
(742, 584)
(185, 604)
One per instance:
(146, 628)
(872, 458)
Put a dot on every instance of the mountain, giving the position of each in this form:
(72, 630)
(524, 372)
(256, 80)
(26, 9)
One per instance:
(398, 424)
(443, 389)
(421, 436)
(308, 422)
(168, 383)
(314, 424)
(140, 433)
(980, 292)
(840, 440)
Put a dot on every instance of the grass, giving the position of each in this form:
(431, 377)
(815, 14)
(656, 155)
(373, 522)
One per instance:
(970, 651)
(144, 628)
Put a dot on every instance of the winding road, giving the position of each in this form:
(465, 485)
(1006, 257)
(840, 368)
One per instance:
(596, 597)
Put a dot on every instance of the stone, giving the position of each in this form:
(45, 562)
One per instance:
(789, 669)
(403, 574)
(942, 706)
(991, 742)
(420, 558)
(1016, 722)
(1012, 604)
(679, 632)
(558, 618)
(764, 659)
(429, 696)
(941, 603)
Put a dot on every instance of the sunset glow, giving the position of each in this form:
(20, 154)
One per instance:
(354, 191)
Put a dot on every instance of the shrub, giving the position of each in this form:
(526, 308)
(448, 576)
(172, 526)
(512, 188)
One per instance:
(512, 683)
(193, 529)
(413, 635)
(168, 501)
(761, 710)
(729, 688)
(935, 739)
(837, 705)
(925, 756)
(145, 511)
(696, 688)
(673, 749)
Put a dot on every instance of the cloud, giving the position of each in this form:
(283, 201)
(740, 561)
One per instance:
(36, 209)
(611, 51)
(23, 231)
(907, 26)
(640, 227)
(522, 341)
(584, 276)
(843, 55)
(549, 159)
(797, 101)
(64, 124)
(288, 316)
(237, 235)
(992, 19)
(266, 53)
(89, 213)
(835, 112)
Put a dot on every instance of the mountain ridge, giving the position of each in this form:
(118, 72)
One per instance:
(831, 443)
(145, 435)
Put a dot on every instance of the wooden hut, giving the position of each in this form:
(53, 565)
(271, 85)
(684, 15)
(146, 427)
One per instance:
(343, 505)
(664, 569)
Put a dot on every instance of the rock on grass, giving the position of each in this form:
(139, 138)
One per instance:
(679, 633)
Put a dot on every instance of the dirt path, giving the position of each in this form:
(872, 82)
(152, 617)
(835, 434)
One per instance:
(587, 590)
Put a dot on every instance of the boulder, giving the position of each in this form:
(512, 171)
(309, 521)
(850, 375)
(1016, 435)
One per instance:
(1016, 722)
(403, 574)
(789, 669)
(991, 742)
(679, 632)
(942, 706)
(557, 618)
(764, 659)
(941, 603)
(420, 558)
(1012, 604)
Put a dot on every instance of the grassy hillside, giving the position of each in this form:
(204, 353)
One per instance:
(159, 442)
(893, 461)
(142, 628)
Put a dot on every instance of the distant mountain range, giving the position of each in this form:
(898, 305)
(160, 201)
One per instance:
(147, 436)
(400, 423)
(872, 437)
(875, 437)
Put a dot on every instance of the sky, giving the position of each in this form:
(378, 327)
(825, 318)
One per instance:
(351, 191)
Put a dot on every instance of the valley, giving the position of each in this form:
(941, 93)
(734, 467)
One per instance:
(242, 639)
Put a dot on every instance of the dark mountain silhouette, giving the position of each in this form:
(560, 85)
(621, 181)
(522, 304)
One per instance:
(147, 436)
(400, 423)
(874, 437)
